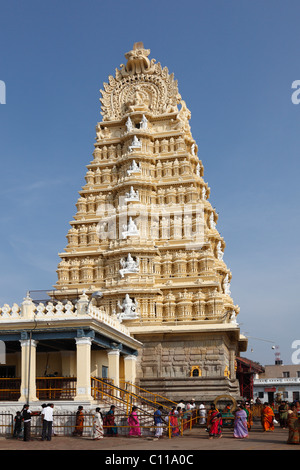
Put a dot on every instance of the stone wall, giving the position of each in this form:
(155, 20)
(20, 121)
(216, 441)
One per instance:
(166, 365)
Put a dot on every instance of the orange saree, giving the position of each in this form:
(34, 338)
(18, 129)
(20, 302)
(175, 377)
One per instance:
(267, 417)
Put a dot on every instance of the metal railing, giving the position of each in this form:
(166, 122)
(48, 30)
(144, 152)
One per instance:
(9, 388)
(139, 397)
(151, 397)
(64, 424)
(56, 388)
(6, 424)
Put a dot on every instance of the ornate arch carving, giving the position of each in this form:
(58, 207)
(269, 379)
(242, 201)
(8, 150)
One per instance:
(141, 84)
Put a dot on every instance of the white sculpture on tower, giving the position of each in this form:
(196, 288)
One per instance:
(134, 168)
(132, 195)
(212, 222)
(144, 123)
(226, 285)
(135, 144)
(129, 125)
(128, 309)
(233, 318)
(130, 229)
(129, 265)
(220, 252)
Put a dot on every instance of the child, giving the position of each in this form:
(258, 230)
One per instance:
(18, 425)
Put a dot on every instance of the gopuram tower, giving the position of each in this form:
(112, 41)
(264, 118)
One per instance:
(145, 238)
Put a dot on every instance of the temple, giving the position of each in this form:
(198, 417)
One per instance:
(143, 292)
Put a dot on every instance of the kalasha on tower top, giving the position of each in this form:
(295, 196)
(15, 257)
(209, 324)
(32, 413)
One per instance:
(145, 233)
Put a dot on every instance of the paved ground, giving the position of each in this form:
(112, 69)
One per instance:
(193, 440)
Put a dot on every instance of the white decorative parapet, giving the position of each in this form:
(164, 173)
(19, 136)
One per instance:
(10, 312)
(59, 311)
(28, 310)
(108, 320)
(55, 310)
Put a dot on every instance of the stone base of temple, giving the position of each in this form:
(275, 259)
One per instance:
(204, 390)
(181, 364)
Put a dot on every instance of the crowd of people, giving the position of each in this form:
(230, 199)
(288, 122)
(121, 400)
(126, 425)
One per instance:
(178, 419)
(239, 418)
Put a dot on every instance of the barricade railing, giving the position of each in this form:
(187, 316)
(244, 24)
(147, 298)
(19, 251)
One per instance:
(64, 424)
(6, 423)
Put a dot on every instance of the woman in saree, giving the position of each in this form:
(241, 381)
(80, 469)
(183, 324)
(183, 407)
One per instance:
(179, 414)
(79, 422)
(293, 423)
(210, 411)
(112, 429)
(134, 423)
(283, 414)
(267, 418)
(249, 416)
(215, 423)
(184, 419)
(97, 425)
(240, 430)
(174, 422)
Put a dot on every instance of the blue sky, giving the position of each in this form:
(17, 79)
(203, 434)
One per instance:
(235, 62)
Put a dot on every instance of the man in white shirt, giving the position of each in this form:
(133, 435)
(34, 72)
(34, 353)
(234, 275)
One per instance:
(181, 405)
(47, 417)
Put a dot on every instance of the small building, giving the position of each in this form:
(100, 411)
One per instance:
(278, 382)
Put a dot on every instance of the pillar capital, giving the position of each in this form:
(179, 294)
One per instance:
(28, 342)
(114, 352)
(83, 340)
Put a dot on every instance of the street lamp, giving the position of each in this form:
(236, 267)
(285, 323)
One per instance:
(95, 295)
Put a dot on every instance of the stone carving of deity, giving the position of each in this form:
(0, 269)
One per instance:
(135, 144)
(129, 265)
(226, 285)
(129, 125)
(198, 169)
(212, 222)
(129, 309)
(144, 123)
(130, 229)
(220, 252)
(132, 195)
(134, 168)
(233, 318)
